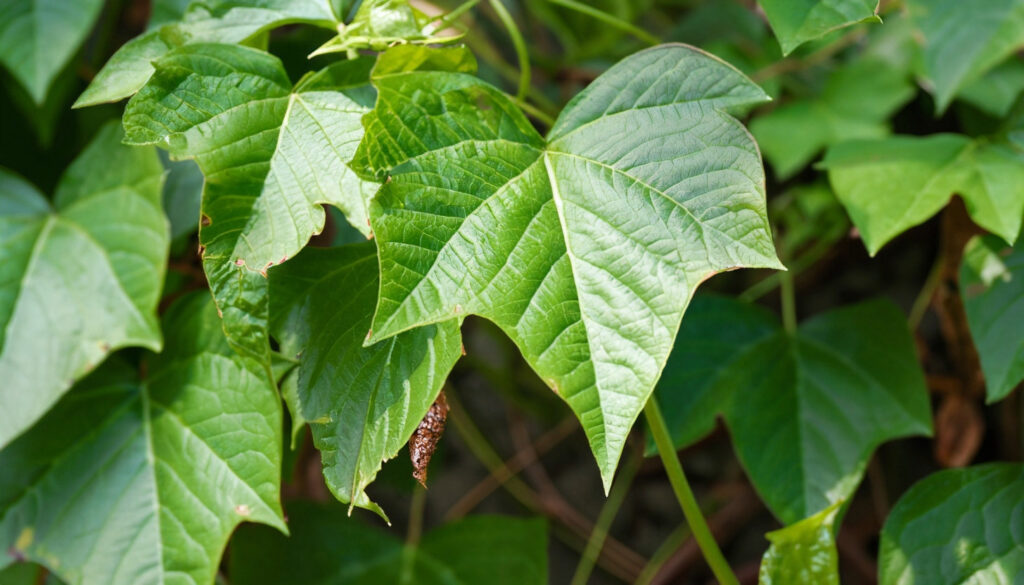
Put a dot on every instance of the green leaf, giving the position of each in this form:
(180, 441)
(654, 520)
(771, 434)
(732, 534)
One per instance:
(960, 41)
(142, 483)
(225, 21)
(957, 526)
(39, 37)
(80, 278)
(328, 547)
(855, 103)
(815, 403)
(271, 154)
(996, 92)
(893, 184)
(362, 404)
(166, 12)
(183, 191)
(803, 553)
(584, 250)
(379, 24)
(797, 21)
(992, 286)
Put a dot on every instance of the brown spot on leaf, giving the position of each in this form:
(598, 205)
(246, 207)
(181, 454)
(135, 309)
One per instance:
(243, 510)
(239, 262)
(204, 220)
(426, 437)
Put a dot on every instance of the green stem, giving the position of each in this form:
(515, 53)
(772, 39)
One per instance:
(445, 20)
(416, 507)
(605, 518)
(691, 510)
(608, 19)
(537, 113)
(924, 297)
(522, 54)
(788, 301)
(799, 264)
(663, 554)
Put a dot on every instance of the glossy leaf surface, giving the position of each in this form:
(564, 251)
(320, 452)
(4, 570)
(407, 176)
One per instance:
(80, 277)
(271, 154)
(803, 553)
(957, 526)
(362, 404)
(584, 250)
(992, 286)
(805, 411)
(797, 21)
(893, 184)
(139, 483)
(328, 548)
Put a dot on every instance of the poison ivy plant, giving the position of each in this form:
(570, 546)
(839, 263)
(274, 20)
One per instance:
(271, 154)
(803, 553)
(797, 21)
(79, 277)
(584, 251)
(327, 547)
(992, 286)
(141, 482)
(39, 37)
(855, 103)
(957, 526)
(805, 409)
(960, 41)
(362, 404)
(893, 184)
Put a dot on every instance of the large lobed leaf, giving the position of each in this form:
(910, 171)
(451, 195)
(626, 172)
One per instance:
(893, 184)
(328, 548)
(797, 21)
(79, 278)
(39, 37)
(138, 483)
(362, 404)
(992, 286)
(271, 154)
(585, 246)
(958, 526)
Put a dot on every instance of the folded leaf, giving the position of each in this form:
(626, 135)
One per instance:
(992, 286)
(957, 526)
(39, 37)
(805, 410)
(362, 404)
(893, 184)
(327, 546)
(583, 247)
(142, 483)
(271, 154)
(803, 553)
(797, 21)
(80, 278)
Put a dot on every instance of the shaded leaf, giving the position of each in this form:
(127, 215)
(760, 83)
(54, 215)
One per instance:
(803, 553)
(996, 91)
(79, 278)
(957, 526)
(893, 184)
(138, 483)
(797, 21)
(271, 154)
(39, 37)
(328, 548)
(992, 286)
(362, 404)
(584, 250)
(805, 410)
(182, 195)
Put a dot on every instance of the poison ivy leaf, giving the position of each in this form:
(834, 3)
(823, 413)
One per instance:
(893, 184)
(271, 155)
(78, 278)
(960, 41)
(38, 37)
(584, 250)
(362, 404)
(992, 286)
(797, 21)
(803, 553)
(806, 409)
(957, 526)
(996, 91)
(855, 103)
(223, 21)
(328, 548)
(141, 483)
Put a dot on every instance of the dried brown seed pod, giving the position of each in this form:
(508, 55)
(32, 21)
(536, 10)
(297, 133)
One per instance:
(424, 440)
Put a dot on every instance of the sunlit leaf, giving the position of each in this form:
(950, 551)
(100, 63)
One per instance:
(803, 553)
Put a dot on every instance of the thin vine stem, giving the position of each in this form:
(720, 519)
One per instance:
(691, 510)
(609, 19)
(522, 54)
(788, 301)
(663, 554)
(447, 19)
